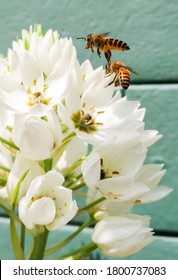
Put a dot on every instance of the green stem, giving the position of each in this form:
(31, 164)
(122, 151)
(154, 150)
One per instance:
(38, 246)
(48, 164)
(64, 242)
(82, 255)
(7, 209)
(78, 186)
(22, 239)
(68, 137)
(3, 181)
(73, 181)
(5, 168)
(90, 205)
(56, 154)
(80, 252)
(5, 206)
(71, 168)
(10, 144)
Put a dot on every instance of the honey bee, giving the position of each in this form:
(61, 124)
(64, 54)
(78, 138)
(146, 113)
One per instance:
(122, 74)
(102, 43)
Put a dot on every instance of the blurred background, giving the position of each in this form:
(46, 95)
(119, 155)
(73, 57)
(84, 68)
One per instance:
(150, 28)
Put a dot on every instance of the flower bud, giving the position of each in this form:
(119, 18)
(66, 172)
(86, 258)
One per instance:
(122, 236)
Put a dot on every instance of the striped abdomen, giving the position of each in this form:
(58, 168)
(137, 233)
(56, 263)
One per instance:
(124, 78)
(115, 44)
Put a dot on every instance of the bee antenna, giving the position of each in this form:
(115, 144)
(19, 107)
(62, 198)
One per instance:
(83, 38)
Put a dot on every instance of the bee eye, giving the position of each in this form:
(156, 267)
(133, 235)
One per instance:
(88, 38)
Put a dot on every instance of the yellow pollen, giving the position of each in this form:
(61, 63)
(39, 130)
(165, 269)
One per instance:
(115, 172)
(83, 105)
(45, 87)
(100, 112)
(138, 201)
(92, 107)
(29, 90)
(37, 95)
(34, 82)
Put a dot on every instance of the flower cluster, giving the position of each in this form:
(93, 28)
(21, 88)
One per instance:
(62, 128)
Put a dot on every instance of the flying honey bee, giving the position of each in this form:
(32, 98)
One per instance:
(102, 43)
(122, 74)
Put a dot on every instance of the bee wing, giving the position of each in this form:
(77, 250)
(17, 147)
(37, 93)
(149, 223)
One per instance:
(130, 69)
(105, 34)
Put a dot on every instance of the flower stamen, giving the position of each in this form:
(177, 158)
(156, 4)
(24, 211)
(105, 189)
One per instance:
(84, 122)
(37, 95)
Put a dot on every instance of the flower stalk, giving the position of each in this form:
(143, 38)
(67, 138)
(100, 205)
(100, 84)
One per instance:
(38, 246)
(80, 253)
(64, 242)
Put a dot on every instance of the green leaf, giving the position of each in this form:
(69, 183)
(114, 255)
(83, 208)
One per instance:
(17, 188)
(18, 252)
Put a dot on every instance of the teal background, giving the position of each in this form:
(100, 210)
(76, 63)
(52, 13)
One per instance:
(151, 30)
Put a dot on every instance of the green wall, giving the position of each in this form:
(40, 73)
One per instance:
(151, 30)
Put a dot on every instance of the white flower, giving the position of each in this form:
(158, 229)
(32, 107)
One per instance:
(151, 175)
(51, 52)
(94, 114)
(26, 86)
(38, 68)
(88, 108)
(36, 137)
(19, 167)
(122, 236)
(47, 203)
(112, 167)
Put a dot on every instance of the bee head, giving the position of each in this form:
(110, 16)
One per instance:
(88, 41)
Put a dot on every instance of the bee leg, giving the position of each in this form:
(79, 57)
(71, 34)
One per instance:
(117, 83)
(109, 74)
(98, 52)
(112, 81)
(108, 56)
(92, 49)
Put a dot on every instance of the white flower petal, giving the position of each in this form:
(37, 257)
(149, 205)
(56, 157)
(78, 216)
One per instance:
(42, 211)
(47, 202)
(20, 166)
(156, 194)
(24, 213)
(91, 169)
